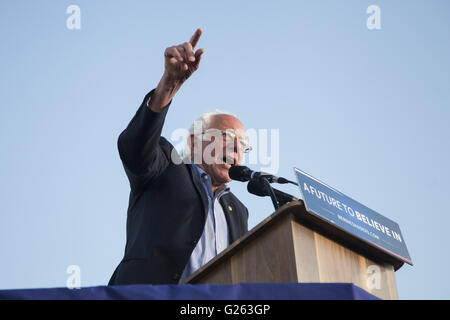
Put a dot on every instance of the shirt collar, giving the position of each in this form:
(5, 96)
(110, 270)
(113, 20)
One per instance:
(200, 172)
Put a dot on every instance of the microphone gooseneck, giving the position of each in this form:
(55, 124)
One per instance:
(258, 189)
(259, 184)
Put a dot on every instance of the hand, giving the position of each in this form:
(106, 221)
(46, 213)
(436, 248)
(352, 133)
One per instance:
(181, 61)
(180, 64)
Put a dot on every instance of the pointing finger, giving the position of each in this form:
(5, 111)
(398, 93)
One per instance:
(196, 37)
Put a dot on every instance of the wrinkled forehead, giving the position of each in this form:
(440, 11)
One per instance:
(227, 122)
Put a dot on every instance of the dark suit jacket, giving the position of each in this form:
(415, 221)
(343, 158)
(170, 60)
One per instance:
(167, 205)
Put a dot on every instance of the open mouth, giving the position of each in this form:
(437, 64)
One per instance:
(228, 160)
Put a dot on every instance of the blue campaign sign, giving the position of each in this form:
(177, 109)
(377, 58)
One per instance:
(351, 216)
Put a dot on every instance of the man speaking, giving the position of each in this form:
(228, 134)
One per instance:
(180, 213)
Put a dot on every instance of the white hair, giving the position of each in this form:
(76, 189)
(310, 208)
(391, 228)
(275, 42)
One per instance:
(205, 121)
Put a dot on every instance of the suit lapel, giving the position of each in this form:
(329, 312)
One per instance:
(231, 215)
(230, 209)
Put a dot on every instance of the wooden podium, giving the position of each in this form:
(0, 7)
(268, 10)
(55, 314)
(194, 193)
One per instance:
(293, 245)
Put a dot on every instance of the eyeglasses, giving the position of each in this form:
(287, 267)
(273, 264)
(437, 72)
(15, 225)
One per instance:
(229, 136)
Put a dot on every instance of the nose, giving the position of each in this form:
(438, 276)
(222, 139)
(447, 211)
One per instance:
(232, 153)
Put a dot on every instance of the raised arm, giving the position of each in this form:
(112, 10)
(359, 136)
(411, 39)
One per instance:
(180, 62)
(138, 144)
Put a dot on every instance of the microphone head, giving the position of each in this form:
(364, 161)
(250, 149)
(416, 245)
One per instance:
(240, 173)
(257, 188)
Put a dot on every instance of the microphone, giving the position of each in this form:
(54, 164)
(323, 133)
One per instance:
(243, 173)
(258, 189)
(240, 173)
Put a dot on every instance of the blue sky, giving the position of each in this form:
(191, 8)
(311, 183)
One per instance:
(366, 111)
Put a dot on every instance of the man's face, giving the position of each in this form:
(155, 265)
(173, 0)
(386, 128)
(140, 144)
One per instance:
(220, 151)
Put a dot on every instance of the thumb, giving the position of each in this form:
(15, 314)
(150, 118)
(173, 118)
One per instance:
(198, 56)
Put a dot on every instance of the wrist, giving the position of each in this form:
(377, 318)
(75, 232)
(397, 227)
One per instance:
(163, 94)
(169, 83)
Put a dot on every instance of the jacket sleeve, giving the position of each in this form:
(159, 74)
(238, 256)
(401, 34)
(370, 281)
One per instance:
(139, 149)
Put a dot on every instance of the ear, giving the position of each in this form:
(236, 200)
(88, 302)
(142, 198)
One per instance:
(190, 143)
